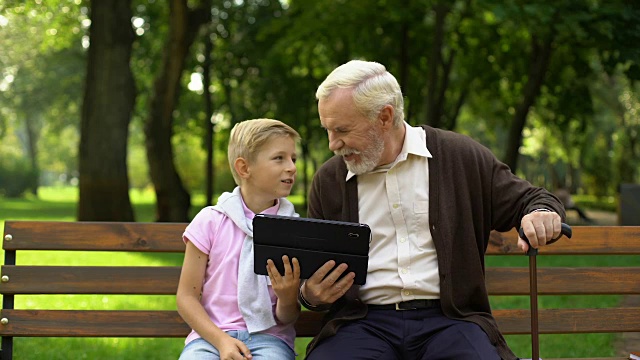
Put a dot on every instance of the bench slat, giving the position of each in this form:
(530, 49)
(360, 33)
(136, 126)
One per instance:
(140, 280)
(574, 321)
(89, 323)
(165, 237)
(116, 323)
(94, 236)
(308, 324)
(590, 358)
(163, 280)
(564, 280)
(167, 323)
(586, 240)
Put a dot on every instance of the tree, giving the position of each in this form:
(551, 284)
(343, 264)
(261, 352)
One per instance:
(106, 111)
(570, 30)
(173, 200)
(42, 63)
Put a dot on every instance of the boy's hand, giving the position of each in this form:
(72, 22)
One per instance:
(286, 287)
(232, 349)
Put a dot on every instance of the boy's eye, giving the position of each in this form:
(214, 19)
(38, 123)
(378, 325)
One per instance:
(294, 160)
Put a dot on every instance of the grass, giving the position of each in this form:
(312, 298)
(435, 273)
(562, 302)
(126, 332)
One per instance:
(60, 204)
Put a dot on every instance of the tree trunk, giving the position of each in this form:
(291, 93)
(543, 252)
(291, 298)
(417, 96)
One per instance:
(209, 126)
(173, 200)
(455, 112)
(33, 135)
(106, 111)
(540, 57)
(404, 56)
(434, 85)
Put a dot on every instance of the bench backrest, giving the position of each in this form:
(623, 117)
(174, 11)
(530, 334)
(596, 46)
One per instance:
(162, 280)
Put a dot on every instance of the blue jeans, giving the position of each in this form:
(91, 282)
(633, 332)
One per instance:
(262, 347)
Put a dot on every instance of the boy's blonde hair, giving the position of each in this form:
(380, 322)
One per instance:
(247, 137)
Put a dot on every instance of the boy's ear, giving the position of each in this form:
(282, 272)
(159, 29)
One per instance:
(242, 167)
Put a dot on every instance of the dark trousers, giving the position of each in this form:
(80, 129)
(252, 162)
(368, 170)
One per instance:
(424, 334)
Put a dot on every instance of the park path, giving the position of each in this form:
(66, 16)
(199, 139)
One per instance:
(599, 218)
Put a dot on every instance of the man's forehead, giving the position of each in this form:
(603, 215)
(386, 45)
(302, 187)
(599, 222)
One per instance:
(331, 122)
(337, 110)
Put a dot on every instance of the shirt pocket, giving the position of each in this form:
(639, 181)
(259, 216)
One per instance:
(421, 207)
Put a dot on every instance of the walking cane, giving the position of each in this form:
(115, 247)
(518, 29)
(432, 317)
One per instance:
(533, 287)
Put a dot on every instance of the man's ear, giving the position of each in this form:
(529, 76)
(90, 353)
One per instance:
(242, 167)
(386, 117)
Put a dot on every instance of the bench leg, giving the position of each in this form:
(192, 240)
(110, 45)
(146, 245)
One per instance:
(7, 348)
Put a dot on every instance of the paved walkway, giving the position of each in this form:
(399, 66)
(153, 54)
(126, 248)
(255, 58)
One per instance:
(599, 217)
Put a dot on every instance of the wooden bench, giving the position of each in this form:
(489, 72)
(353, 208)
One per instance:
(19, 280)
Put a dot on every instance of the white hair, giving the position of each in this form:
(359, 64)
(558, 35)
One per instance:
(373, 88)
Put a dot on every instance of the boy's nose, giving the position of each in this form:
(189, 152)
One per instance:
(292, 167)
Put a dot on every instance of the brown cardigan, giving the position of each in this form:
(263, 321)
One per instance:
(470, 194)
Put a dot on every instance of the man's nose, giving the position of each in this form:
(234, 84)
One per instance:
(335, 143)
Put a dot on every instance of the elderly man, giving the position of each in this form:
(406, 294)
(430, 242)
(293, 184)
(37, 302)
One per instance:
(431, 198)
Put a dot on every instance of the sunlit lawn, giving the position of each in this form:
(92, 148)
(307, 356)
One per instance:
(60, 204)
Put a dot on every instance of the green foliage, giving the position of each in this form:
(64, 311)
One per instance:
(269, 57)
(606, 203)
(16, 176)
(43, 68)
(191, 162)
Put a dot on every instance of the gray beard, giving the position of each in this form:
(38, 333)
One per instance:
(369, 158)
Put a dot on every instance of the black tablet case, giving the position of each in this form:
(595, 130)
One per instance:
(313, 242)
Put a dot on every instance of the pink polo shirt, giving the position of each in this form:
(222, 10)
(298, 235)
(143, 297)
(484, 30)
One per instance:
(215, 234)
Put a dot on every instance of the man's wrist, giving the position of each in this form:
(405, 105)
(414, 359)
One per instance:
(541, 210)
(308, 305)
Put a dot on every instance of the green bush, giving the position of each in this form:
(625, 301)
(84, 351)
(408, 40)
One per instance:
(604, 203)
(16, 177)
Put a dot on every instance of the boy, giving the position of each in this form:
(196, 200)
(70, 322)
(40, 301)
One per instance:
(234, 313)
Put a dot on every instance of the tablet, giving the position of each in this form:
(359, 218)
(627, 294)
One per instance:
(313, 242)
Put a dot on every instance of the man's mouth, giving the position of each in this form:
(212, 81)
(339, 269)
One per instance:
(288, 181)
(347, 155)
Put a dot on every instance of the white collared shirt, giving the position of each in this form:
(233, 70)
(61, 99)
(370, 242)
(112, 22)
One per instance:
(402, 258)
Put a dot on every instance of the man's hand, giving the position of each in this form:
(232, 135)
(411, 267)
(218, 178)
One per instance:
(323, 286)
(540, 227)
